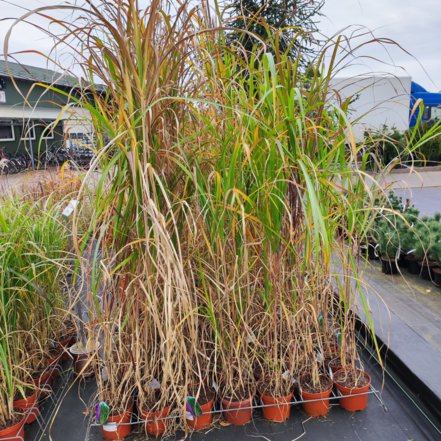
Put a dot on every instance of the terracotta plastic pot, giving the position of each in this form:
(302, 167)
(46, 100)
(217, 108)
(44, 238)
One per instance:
(353, 404)
(44, 381)
(117, 426)
(155, 424)
(280, 408)
(29, 406)
(235, 412)
(14, 432)
(205, 420)
(54, 359)
(319, 407)
(82, 356)
(64, 344)
(82, 367)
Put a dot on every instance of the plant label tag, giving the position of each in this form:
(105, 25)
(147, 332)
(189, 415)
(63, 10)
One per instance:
(70, 208)
(319, 357)
(286, 376)
(104, 375)
(331, 375)
(189, 416)
(154, 384)
(215, 386)
(110, 427)
(251, 339)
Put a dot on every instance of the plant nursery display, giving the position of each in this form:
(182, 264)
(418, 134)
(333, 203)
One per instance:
(225, 190)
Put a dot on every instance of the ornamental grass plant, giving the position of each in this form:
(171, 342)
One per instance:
(225, 177)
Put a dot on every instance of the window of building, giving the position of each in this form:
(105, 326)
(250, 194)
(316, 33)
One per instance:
(47, 131)
(28, 132)
(6, 131)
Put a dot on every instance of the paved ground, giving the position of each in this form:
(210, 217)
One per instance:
(19, 181)
(25, 181)
(415, 178)
(407, 309)
(426, 199)
(407, 316)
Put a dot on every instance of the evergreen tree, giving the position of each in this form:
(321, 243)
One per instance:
(263, 17)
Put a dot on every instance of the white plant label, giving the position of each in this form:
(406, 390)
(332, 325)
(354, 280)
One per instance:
(110, 427)
(319, 357)
(331, 375)
(251, 339)
(70, 208)
(286, 376)
(104, 375)
(189, 416)
(155, 384)
(215, 386)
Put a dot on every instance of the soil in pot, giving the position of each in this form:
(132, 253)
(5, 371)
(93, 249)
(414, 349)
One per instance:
(277, 408)
(118, 426)
(352, 382)
(205, 398)
(389, 266)
(238, 410)
(335, 364)
(28, 405)
(320, 393)
(13, 431)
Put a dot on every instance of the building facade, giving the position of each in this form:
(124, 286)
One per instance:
(31, 120)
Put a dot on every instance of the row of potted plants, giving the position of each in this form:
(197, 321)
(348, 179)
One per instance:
(200, 411)
(210, 237)
(34, 332)
(404, 239)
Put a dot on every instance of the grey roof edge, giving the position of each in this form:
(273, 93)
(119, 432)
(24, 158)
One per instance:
(27, 72)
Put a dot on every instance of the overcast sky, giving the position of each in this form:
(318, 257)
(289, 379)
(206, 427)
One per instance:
(415, 25)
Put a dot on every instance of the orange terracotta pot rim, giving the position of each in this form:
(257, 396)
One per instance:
(361, 388)
(129, 409)
(209, 403)
(153, 413)
(324, 392)
(230, 404)
(30, 399)
(14, 429)
(277, 399)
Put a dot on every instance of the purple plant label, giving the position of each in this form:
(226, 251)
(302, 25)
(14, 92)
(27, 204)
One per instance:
(97, 413)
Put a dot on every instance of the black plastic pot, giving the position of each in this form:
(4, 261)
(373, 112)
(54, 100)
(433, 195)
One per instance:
(425, 271)
(402, 261)
(389, 266)
(412, 266)
(368, 250)
(436, 276)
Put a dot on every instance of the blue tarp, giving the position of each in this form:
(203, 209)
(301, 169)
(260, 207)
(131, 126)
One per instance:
(429, 99)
